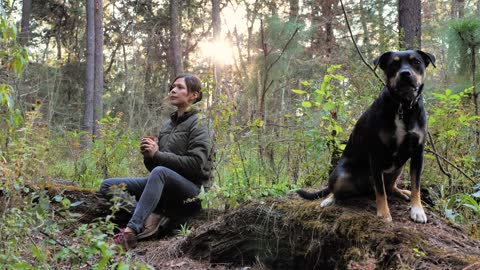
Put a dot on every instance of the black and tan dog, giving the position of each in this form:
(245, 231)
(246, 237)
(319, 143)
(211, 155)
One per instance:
(390, 132)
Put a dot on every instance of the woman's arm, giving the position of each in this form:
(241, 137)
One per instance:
(192, 163)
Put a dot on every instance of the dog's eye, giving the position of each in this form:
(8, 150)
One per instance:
(417, 62)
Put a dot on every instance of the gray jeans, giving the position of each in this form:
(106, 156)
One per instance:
(163, 191)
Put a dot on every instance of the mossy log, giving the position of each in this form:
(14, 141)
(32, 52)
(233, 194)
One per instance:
(291, 233)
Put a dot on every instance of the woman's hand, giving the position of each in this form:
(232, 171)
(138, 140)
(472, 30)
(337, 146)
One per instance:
(148, 147)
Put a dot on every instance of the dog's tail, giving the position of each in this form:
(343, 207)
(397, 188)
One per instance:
(313, 195)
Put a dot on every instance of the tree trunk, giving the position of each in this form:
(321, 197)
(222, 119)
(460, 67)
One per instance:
(98, 91)
(458, 9)
(294, 10)
(317, 33)
(89, 73)
(216, 26)
(329, 18)
(291, 233)
(475, 93)
(25, 31)
(175, 37)
(409, 24)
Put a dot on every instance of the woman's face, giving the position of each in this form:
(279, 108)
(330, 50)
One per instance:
(179, 95)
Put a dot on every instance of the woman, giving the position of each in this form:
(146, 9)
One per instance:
(179, 165)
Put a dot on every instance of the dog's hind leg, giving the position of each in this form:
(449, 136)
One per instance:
(328, 201)
(391, 185)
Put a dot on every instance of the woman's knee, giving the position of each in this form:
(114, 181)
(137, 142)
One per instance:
(161, 173)
(105, 187)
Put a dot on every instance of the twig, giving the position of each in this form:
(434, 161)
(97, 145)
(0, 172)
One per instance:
(450, 163)
(356, 46)
(448, 174)
(64, 246)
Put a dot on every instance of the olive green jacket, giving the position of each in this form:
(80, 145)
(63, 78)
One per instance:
(185, 146)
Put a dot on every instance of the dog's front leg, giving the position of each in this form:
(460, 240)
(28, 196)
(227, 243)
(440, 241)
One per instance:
(416, 166)
(380, 194)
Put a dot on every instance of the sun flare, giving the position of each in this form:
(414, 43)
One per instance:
(220, 52)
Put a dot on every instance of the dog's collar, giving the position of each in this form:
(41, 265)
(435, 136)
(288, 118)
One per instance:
(402, 105)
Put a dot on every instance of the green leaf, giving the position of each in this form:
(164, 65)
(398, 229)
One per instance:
(306, 83)
(299, 91)
(306, 104)
(329, 106)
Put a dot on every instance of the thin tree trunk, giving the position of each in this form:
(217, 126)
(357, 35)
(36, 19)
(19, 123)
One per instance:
(410, 23)
(294, 9)
(89, 73)
(475, 94)
(25, 32)
(317, 34)
(458, 9)
(216, 26)
(175, 35)
(98, 91)
(327, 7)
(366, 34)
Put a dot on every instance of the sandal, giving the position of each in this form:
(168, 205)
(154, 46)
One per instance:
(127, 240)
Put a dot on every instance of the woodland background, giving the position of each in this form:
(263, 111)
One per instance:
(82, 81)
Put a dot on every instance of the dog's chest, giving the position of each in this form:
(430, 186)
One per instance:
(400, 130)
(402, 136)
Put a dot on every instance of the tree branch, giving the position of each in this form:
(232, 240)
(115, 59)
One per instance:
(356, 46)
(437, 155)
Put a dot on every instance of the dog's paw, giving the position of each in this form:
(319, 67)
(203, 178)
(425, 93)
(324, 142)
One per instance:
(384, 217)
(402, 193)
(328, 201)
(418, 215)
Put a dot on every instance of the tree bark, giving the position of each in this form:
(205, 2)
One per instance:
(89, 73)
(216, 27)
(409, 24)
(458, 9)
(294, 10)
(98, 88)
(25, 24)
(175, 37)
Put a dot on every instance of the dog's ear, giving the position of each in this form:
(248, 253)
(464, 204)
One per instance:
(382, 60)
(427, 58)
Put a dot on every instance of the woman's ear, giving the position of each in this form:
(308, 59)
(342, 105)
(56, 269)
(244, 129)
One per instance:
(194, 96)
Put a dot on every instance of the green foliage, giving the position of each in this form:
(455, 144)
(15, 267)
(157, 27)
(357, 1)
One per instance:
(49, 226)
(323, 108)
(464, 38)
(451, 121)
(114, 154)
(12, 58)
(184, 230)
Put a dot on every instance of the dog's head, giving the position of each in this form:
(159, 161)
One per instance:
(405, 71)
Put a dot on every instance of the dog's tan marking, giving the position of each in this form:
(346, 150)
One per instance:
(419, 78)
(416, 212)
(396, 58)
(411, 56)
(382, 207)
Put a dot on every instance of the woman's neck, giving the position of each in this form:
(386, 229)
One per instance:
(182, 110)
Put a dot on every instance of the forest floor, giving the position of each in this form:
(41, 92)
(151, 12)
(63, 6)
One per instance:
(291, 233)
